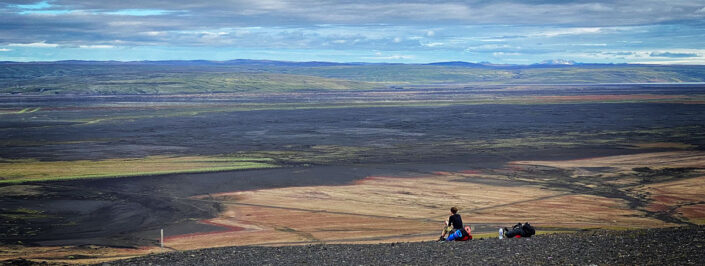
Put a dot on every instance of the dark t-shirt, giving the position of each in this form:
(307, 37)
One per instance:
(455, 221)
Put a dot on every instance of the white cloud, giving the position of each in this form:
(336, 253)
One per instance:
(700, 11)
(211, 33)
(41, 44)
(486, 47)
(389, 57)
(96, 46)
(432, 44)
(567, 31)
(154, 33)
(126, 23)
(5, 50)
(696, 61)
(430, 33)
(138, 12)
(673, 56)
(505, 54)
(589, 44)
(492, 40)
(397, 40)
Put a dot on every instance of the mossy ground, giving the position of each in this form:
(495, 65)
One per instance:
(26, 170)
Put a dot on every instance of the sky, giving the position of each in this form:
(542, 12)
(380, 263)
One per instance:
(500, 32)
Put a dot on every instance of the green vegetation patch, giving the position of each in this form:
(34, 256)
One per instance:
(700, 221)
(22, 214)
(28, 110)
(18, 171)
(182, 83)
(319, 154)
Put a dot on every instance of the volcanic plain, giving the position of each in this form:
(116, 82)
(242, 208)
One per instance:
(94, 178)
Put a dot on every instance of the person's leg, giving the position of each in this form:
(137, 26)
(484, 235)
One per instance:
(446, 230)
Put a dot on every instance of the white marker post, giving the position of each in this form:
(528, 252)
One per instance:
(161, 239)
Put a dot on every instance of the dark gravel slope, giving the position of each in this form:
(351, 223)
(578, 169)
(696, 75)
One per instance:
(670, 246)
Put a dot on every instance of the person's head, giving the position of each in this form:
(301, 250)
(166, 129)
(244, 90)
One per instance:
(453, 210)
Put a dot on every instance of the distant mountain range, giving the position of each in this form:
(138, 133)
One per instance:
(553, 62)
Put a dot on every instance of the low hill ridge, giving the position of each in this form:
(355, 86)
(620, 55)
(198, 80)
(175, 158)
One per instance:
(665, 246)
(244, 75)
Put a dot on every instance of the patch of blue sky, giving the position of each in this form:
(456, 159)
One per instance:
(40, 8)
(44, 12)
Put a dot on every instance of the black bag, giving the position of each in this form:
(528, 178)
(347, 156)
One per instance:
(516, 226)
(527, 230)
(517, 230)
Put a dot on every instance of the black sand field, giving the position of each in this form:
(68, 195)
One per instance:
(670, 246)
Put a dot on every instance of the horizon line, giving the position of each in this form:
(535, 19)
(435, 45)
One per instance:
(482, 63)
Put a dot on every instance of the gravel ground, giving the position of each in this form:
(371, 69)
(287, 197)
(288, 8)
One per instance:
(670, 246)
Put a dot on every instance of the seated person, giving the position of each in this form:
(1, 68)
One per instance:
(453, 229)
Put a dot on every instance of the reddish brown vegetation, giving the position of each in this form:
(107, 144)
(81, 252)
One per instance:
(607, 97)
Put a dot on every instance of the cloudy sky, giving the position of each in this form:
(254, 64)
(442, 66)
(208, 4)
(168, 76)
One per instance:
(513, 32)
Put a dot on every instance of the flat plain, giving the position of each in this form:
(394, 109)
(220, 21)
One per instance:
(93, 178)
